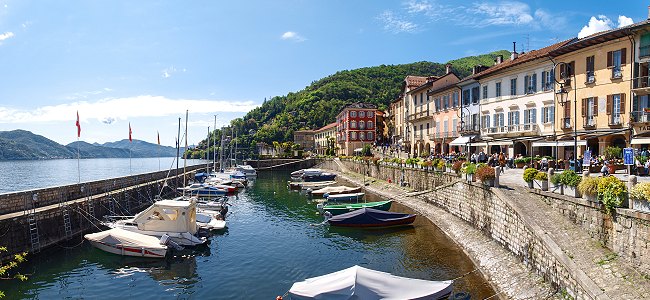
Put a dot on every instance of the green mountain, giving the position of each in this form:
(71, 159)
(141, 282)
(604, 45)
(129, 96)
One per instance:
(142, 148)
(318, 104)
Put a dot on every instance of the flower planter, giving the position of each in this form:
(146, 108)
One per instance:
(641, 205)
(469, 177)
(489, 183)
(612, 169)
(590, 198)
(541, 184)
(571, 191)
(530, 184)
(557, 189)
(520, 165)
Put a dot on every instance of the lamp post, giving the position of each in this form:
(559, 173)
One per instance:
(563, 95)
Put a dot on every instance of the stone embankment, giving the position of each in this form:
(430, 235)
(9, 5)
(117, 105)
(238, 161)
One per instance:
(526, 248)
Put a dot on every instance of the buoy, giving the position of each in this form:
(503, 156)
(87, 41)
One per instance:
(278, 298)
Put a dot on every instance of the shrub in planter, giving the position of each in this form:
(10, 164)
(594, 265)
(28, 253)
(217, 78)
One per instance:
(529, 176)
(556, 186)
(541, 181)
(469, 169)
(440, 165)
(427, 164)
(640, 196)
(457, 166)
(570, 180)
(588, 187)
(612, 192)
(486, 175)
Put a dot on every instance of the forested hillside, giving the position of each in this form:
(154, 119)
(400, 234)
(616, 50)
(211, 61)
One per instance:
(319, 103)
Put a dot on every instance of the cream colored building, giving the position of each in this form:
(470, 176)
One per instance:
(322, 136)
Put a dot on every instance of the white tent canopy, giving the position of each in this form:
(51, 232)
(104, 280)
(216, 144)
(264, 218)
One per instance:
(558, 144)
(461, 140)
(640, 141)
(361, 283)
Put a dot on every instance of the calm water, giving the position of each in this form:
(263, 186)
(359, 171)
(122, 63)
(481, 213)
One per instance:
(268, 246)
(20, 175)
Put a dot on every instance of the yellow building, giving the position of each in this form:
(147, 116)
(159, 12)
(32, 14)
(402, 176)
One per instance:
(322, 137)
(593, 92)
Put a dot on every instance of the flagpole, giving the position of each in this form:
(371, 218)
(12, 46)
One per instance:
(158, 150)
(78, 142)
(185, 152)
(130, 146)
(207, 153)
(214, 155)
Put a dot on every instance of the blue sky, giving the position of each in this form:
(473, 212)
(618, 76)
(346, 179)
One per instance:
(146, 62)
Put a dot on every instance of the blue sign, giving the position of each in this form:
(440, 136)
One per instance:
(628, 156)
(586, 161)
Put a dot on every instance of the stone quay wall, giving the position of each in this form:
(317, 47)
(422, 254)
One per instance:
(282, 163)
(81, 211)
(492, 212)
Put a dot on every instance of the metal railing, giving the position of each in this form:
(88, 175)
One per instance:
(641, 82)
(566, 123)
(615, 120)
(590, 121)
(641, 116)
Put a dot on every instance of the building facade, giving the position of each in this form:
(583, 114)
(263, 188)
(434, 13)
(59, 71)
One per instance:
(355, 127)
(325, 137)
(445, 104)
(304, 138)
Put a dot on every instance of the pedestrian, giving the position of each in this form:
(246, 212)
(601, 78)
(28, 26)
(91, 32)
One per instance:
(604, 170)
(502, 162)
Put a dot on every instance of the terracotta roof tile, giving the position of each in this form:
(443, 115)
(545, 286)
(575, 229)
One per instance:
(328, 126)
(415, 81)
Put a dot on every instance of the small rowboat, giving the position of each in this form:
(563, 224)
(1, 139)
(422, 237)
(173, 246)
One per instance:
(368, 217)
(127, 243)
(334, 190)
(337, 209)
(310, 185)
(345, 197)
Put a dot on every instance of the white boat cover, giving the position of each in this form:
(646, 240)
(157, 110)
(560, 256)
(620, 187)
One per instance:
(334, 189)
(361, 283)
(169, 216)
(118, 236)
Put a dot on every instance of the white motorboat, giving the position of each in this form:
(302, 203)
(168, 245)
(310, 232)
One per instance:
(333, 190)
(127, 243)
(175, 218)
(210, 220)
(247, 170)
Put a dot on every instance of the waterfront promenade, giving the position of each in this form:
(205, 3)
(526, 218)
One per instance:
(601, 271)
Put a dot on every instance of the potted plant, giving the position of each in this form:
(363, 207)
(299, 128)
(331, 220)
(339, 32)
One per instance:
(529, 176)
(588, 187)
(469, 169)
(611, 192)
(427, 164)
(457, 166)
(556, 186)
(640, 195)
(570, 180)
(612, 154)
(541, 181)
(520, 162)
(440, 166)
(486, 175)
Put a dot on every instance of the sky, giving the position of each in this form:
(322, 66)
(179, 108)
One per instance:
(145, 63)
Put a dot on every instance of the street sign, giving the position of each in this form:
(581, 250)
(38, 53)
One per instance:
(586, 161)
(628, 156)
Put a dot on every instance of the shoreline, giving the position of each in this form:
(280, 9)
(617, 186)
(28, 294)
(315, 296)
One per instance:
(506, 274)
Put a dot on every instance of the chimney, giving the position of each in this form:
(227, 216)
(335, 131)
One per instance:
(477, 69)
(447, 68)
(498, 60)
(513, 55)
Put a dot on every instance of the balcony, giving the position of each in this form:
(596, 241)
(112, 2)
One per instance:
(565, 123)
(522, 128)
(414, 117)
(468, 129)
(589, 122)
(434, 136)
(615, 120)
(641, 85)
(642, 116)
(494, 130)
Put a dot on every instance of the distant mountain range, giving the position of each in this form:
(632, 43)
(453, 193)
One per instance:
(22, 144)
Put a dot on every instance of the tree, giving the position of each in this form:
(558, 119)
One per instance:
(5, 268)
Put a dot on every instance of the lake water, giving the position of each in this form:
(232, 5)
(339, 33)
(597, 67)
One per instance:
(19, 175)
(269, 244)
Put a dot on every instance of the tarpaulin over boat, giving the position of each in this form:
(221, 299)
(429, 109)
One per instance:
(118, 236)
(168, 215)
(361, 283)
(369, 217)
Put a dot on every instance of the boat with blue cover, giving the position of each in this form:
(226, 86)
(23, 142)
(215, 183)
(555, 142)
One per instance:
(368, 217)
(344, 197)
(337, 209)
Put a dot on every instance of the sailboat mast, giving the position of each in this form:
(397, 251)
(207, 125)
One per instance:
(207, 153)
(178, 149)
(214, 158)
(185, 155)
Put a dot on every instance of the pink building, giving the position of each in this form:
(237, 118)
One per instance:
(356, 127)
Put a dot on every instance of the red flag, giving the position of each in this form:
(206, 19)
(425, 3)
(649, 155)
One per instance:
(130, 140)
(78, 126)
(158, 137)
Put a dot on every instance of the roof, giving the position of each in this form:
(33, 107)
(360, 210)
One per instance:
(328, 126)
(303, 131)
(444, 83)
(415, 81)
(598, 38)
(522, 58)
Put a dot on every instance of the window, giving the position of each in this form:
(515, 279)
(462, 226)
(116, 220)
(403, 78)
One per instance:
(369, 136)
(353, 125)
(513, 86)
(513, 117)
(485, 91)
(547, 80)
(362, 114)
(371, 114)
(362, 136)
(474, 124)
(454, 99)
(454, 126)
(589, 111)
(353, 114)
(566, 72)
(466, 97)
(369, 125)
(530, 116)
(530, 83)
(445, 101)
(362, 125)
(438, 128)
(427, 127)
(497, 89)
(590, 69)
(353, 135)
(548, 114)
(615, 59)
(615, 106)
(475, 95)
(446, 124)
(498, 120)
(644, 47)
(485, 121)
(437, 102)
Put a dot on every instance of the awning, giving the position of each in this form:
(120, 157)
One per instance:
(640, 141)
(358, 150)
(495, 143)
(461, 140)
(559, 144)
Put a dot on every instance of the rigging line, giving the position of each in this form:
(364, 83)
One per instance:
(82, 212)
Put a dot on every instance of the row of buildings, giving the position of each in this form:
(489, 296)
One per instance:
(589, 92)
(592, 92)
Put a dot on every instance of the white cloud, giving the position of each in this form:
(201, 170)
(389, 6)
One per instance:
(624, 21)
(120, 109)
(599, 24)
(502, 13)
(85, 95)
(416, 7)
(6, 35)
(292, 36)
(396, 25)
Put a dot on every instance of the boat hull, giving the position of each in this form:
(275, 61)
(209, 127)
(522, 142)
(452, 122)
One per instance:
(339, 209)
(129, 250)
(368, 217)
(346, 197)
(400, 222)
(181, 238)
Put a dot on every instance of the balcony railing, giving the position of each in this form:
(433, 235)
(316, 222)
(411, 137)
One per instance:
(566, 123)
(641, 116)
(418, 115)
(522, 128)
(590, 121)
(615, 120)
(434, 136)
(641, 82)
(468, 129)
